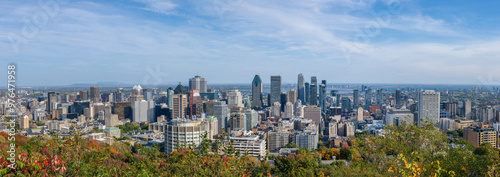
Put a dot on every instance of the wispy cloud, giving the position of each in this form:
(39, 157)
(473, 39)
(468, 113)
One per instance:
(249, 37)
(159, 6)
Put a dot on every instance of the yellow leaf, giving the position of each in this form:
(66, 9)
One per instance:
(392, 169)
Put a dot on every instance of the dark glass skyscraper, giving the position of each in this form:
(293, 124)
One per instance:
(180, 89)
(313, 96)
(322, 96)
(51, 99)
(336, 94)
(380, 96)
(368, 98)
(301, 88)
(307, 89)
(283, 100)
(355, 98)
(398, 98)
(275, 89)
(346, 104)
(257, 92)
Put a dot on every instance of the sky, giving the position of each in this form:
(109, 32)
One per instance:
(155, 42)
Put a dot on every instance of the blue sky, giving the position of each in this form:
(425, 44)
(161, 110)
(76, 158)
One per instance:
(229, 41)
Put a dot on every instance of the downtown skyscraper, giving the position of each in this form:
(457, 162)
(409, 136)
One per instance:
(307, 93)
(380, 96)
(398, 99)
(94, 94)
(322, 96)
(275, 89)
(355, 98)
(198, 83)
(257, 92)
(313, 100)
(301, 88)
(368, 98)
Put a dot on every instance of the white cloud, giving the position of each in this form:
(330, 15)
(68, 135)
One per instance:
(159, 6)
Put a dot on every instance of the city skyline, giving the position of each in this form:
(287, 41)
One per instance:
(154, 42)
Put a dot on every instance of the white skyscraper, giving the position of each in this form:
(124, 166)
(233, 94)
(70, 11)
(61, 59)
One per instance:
(276, 109)
(221, 111)
(198, 83)
(428, 106)
(234, 98)
(289, 112)
(143, 111)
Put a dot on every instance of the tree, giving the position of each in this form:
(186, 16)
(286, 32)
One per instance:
(291, 145)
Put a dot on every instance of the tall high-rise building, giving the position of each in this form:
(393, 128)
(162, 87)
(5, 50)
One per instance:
(198, 83)
(368, 98)
(307, 92)
(313, 96)
(467, 109)
(380, 96)
(428, 106)
(275, 88)
(147, 94)
(237, 121)
(94, 94)
(24, 122)
(194, 97)
(180, 89)
(136, 94)
(277, 140)
(107, 97)
(355, 99)
(51, 99)
(313, 113)
(336, 95)
(252, 118)
(180, 105)
(221, 111)
(214, 126)
(184, 131)
(118, 96)
(452, 108)
(346, 104)
(143, 111)
(84, 95)
(269, 104)
(289, 110)
(306, 139)
(234, 98)
(398, 99)
(170, 97)
(276, 109)
(257, 92)
(297, 108)
(322, 96)
(283, 100)
(111, 120)
(72, 98)
(301, 88)
(292, 96)
(162, 97)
